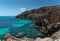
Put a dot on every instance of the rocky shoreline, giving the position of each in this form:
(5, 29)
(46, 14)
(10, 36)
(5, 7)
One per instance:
(47, 19)
(56, 37)
(47, 22)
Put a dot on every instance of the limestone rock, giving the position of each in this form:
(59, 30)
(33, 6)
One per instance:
(45, 39)
(56, 35)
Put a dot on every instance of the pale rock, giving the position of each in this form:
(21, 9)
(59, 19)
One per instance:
(44, 39)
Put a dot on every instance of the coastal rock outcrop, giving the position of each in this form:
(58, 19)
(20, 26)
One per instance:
(46, 15)
(56, 36)
(52, 13)
(53, 28)
(47, 19)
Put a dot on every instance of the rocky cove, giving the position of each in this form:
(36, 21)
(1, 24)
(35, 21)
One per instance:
(47, 23)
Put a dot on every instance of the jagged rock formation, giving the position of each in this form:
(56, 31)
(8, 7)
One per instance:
(44, 17)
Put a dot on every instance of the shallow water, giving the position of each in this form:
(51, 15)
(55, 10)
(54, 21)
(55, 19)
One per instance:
(14, 26)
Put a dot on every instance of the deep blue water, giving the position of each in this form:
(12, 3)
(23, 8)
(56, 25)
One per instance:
(15, 26)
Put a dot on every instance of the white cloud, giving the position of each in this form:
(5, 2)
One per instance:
(22, 10)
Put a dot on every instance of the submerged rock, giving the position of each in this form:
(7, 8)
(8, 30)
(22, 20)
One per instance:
(8, 37)
(27, 29)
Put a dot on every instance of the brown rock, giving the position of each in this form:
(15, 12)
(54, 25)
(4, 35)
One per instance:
(52, 13)
(44, 17)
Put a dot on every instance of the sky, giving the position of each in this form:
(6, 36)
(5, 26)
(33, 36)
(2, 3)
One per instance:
(15, 7)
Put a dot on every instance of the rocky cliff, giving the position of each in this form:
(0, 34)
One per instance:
(51, 13)
(46, 18)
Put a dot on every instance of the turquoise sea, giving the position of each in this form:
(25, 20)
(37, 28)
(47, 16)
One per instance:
(17, 27)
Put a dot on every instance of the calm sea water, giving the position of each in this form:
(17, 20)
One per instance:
(16, 27)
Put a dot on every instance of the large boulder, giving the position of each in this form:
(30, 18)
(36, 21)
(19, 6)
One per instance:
(56, 36)
(53, 28)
